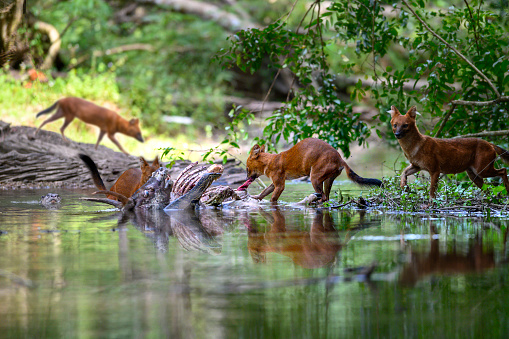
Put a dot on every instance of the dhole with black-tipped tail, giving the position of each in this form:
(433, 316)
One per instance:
(309, 157)
(128, 182)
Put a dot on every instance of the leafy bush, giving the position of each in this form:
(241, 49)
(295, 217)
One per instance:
(450, 194)
(393, 49)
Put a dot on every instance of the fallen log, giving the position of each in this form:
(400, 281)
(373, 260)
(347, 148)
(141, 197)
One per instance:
(47, 159)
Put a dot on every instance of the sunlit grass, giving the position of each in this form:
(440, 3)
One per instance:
(19, 106)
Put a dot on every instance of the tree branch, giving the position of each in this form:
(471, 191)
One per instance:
(481, 103)
(469, 103)
(481, 74)
(411, 85)
(54, 38)
(484, 134)
(114, 50)
(10, 18)
(444, 120)
(207, 11)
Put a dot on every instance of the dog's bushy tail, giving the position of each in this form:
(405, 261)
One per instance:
(47, 110)
(92, 167)
(360, 180)
(504, 155)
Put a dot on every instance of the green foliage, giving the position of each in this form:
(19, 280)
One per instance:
(314, 105)
(172, 75)
(172, 154)
(234, 133)
(449, 194)
(393, 49)
(16, 99)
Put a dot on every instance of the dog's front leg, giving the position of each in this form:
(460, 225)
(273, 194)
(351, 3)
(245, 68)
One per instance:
(277, 192)
(265, 192)
(112, 138)
(434, 182)
(412, 169)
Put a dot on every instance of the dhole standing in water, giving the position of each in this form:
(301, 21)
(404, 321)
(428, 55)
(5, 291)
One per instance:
(128, 182)
(447, 156)
(309, 157)
(108, 121)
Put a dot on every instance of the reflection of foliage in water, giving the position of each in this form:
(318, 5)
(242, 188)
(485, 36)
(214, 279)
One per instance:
(104, 279)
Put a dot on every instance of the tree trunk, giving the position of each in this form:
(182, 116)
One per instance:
(11, 15)
(47, 159)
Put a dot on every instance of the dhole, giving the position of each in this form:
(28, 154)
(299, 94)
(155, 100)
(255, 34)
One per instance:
(312, 157)
(447, 156)
(108, 121)
(128, 182)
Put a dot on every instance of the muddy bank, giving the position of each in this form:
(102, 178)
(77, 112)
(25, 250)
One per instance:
(48, 160)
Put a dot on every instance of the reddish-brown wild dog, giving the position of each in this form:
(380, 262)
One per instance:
(108, 121)
(309, 157)
(447, 156)
(128, 182)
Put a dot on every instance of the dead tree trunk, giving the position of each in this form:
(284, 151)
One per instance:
(49, 160)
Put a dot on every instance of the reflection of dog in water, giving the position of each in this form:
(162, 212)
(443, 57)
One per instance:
(50, 200)
(421, 266)
(310, 249)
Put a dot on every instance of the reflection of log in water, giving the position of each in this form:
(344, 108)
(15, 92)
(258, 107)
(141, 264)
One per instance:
(310, 249)
(424, 265)
(195, 230)
(189, 230)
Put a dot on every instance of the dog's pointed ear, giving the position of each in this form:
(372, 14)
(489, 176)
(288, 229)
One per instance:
(412, 112)
(143, 162)
(393, 111)
(134, 121)
(256, 150)
(156, 162)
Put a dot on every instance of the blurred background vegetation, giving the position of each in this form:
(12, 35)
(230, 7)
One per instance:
(323, 68)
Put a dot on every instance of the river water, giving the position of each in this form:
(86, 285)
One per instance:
(259, 272)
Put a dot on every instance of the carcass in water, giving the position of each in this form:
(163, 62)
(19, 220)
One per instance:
(160, 192)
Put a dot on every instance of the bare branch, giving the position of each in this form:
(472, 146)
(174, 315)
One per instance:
(484, 134)
(468, 103)
(54, 38)
(413, 85)
(481, 103)
(114, 50)
(481, 74)
(444, 120)
(207, 11)
(125, 48)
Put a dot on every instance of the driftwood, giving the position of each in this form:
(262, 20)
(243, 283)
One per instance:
(49, 160)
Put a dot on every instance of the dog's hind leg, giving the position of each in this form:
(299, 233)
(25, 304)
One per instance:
(477, 180)
(327, 185)
(57, 115)
(67, 121)
(491, 171)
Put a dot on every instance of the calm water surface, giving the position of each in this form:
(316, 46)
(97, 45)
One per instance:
(292, 272)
